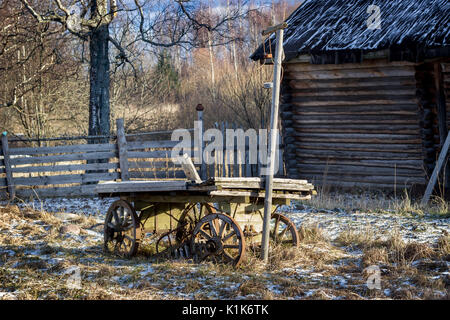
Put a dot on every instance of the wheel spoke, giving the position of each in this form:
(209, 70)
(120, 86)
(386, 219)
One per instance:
(232, 233)
(222, 228)
(282, 233)
(125, 217)
(200, 213)
(116, 217)
(204, 234)
(213, 229)
(231, 246)
(126, 228)
(112, 226)
(228, 257)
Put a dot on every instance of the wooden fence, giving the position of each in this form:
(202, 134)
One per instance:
(72, 170)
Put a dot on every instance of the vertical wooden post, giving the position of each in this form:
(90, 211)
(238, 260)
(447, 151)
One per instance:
(200, 141)
(223, 151)
(442, 112)
(123, 153)
(7, 163)
(272, 143)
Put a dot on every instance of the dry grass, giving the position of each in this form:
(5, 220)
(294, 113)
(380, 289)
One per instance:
(311, 234)
(34, 259)
(378, 202)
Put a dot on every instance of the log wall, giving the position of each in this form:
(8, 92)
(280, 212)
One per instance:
(353, 124)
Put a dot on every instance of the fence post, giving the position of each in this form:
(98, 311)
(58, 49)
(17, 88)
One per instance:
(123, 153)
(6, 161)
(200, 142)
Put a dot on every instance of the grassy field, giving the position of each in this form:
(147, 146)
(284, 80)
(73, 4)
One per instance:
(40, 260)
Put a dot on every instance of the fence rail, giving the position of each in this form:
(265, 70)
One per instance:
(74, 170)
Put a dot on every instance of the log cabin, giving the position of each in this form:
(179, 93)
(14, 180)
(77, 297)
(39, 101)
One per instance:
(365, 93)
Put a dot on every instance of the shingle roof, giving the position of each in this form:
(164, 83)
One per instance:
(323, 26)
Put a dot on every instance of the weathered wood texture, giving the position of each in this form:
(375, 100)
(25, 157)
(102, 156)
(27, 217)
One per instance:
(7, 167)
(228, 189)
(357, 124)
(71, 170)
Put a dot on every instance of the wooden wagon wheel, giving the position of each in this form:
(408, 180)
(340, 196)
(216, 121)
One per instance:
(283, 231)
(122, 230)
(170, 241)
(219, 238)
(191, 216)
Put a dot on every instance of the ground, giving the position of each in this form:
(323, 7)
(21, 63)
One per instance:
(52, 249)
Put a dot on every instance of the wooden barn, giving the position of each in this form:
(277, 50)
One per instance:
(365, 104)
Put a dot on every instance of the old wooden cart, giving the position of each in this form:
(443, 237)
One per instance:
(216, 219)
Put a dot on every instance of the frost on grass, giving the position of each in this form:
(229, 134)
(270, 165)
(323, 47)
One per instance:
(38, 261)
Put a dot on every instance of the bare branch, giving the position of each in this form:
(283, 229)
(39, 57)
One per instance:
(49, 17)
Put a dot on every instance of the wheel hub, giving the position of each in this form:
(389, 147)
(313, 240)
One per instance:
(214, 245)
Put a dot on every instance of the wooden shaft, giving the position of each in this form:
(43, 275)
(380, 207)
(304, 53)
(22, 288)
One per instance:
(7, 163)
(272, 145)
(123, 152)
(437, 170)
(273, 29)
(200, 142)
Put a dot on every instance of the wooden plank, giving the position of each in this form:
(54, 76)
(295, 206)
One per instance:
(369, 155)
(355, 83)
(345, 101)
(166, 174)
(404, 164)
(153, 164)
(375, 63)
(366, 179)
(163, 144)
(359, 170)
(440, 163)
(350, 128)
(349, 98)
(355, 121)
(7, 163)
(66, 179)
(189, 168)
(369, 140)
(150, 154)
(352, 146)
(66, 192)
(380, 90)
(257, 180)
(141, 186)
(253, 194)
(64, 168)
(377, 72)
(123, 152)
(64, 149)
(351, 109)
(65, 157)
(253, 185)
(355, 136)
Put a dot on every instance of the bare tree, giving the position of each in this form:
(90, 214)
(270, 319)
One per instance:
(160, 23)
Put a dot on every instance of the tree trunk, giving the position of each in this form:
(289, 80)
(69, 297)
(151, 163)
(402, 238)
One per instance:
(99, 105)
